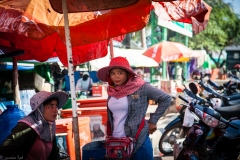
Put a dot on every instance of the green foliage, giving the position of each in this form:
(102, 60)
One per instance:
(223, 29)
(136, 36)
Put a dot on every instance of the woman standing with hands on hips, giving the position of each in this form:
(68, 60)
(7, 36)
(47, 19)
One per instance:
(127, 104)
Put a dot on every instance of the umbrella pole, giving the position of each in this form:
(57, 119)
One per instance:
(111, 49)
(72, 83)
(15, 86)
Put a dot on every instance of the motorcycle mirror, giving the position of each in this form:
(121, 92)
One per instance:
(179, 89)
(193, 88)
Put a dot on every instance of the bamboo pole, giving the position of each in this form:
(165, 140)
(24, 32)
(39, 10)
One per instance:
(72, 83)
(111, 49)
(15, 85)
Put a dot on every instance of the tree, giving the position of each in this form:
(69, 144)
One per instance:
(223, 30)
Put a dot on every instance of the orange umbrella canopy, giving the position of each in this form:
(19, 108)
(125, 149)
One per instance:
(36, 19)
(168, 51)
(90, 5)
(42, 50)
(33, 26)
(93, 5)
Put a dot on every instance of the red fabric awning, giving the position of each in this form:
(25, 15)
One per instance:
(195, 12)
(33, 26)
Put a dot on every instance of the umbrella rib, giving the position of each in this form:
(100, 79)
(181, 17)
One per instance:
(109, 24)
(58, 35)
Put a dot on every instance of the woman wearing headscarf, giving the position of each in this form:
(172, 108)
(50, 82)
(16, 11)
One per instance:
(85, 83)
(33, 138)
(127, 105)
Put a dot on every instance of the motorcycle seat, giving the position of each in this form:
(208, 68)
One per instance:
(232, 102)
(229, 112)
(235, 96)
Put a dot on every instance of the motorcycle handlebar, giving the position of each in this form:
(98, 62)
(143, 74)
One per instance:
(201, 83)
(233, 126)
(233, 76)
(182, 98)
(210, 90)
(213, 83)
(229, 123)
(189, 93)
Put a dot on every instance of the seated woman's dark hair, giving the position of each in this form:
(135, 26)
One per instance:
(85, 77)
(49, 101)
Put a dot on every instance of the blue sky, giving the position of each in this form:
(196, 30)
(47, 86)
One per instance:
(235, 5)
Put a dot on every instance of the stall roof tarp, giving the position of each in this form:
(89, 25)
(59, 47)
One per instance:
(9, 52)
(21, 66)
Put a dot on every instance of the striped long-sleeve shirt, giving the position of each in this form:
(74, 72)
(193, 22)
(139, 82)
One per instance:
(137, 108)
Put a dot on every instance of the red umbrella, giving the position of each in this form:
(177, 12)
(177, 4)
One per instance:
(41, 51)
(93, 5)
(36, 19)
(90, 5)
(40, 29)
(167, 51)
(35, 27)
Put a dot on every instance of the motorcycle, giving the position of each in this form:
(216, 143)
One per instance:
(215, 136)
(175, 129)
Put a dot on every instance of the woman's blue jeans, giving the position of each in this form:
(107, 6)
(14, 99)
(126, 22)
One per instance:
(145, 152)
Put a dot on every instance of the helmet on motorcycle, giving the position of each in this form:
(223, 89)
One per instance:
(197, 74)
(237, 66)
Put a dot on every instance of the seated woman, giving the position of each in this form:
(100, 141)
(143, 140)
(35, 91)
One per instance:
(85, 83)
(34, 135)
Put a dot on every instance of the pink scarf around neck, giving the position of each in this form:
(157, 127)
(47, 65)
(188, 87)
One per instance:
(132, 85)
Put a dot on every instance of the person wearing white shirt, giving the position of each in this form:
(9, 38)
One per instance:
(84, 83)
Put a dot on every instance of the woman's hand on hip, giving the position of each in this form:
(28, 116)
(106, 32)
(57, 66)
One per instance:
(152, 128)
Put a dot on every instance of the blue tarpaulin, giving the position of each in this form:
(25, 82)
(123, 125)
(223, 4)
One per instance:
(21, 66)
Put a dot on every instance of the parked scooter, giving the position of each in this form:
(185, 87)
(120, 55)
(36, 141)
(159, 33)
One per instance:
(175, 129)
(228, 95)
(213, 137)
